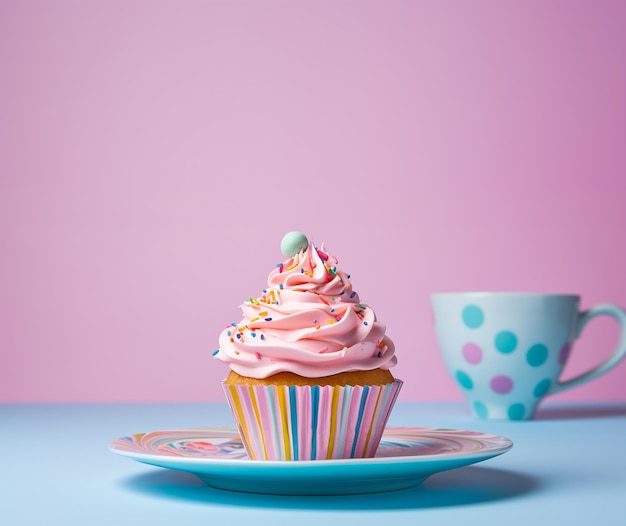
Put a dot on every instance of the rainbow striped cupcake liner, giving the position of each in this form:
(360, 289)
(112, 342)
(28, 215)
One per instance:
(278, 422)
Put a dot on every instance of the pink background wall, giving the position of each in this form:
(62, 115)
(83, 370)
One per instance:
(153, 153)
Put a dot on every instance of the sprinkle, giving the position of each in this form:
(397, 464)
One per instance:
(237, 353)
(338, 318)
(348, 276)
(314, 321)
(253, 334)
(253, 301)
(280, 268)
(268, 319)
(361, 306)
(262, 337)
(322, 350)
(364, 323)
(254, 319)
(330, 322)
(233, 325)
(317, 326)
(264, 313)
(238, 336)
(215, 352)
(228, 333)
(258, 356)
(379, 354)
(301, 271)
(232, 341)
(280, 286)
(332, 310)
(322, 255)
(353, 294)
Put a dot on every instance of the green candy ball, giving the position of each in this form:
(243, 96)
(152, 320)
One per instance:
(292, 243)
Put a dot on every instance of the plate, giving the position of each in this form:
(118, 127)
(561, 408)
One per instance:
(405, 458)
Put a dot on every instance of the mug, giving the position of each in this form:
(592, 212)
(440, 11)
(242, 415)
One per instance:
(506, 350)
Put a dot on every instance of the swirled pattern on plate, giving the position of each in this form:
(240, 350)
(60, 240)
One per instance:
(224, 443)
(215, 442)
(405, 458)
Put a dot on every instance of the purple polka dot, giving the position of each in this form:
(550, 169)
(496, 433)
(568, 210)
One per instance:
(472, 353)
(501, 384)
(564, 353)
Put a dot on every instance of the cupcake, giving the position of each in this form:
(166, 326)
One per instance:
(309, 363)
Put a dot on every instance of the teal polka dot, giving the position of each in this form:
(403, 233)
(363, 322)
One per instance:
(481, 410)
(542, 387)
(473, 316)
(537, 355)
(464, 380)
(506, 342)
(516, 412)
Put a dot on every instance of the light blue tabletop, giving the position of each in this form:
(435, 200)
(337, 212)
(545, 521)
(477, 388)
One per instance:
(567, 466)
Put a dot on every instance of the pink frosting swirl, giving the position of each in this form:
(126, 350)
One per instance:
(309, 322)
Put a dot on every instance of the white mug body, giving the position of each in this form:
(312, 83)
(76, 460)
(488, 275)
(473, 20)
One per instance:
(506, 351)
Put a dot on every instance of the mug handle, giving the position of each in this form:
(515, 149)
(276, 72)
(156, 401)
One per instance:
(620, 351)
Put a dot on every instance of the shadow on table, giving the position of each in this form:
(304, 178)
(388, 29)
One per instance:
(576, 412)
(470, 485)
